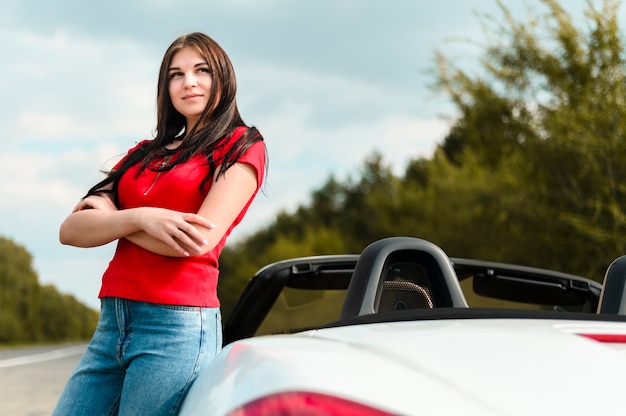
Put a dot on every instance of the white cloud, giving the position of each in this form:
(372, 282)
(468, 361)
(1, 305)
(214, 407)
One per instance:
(41, 181)
(324, 97)
(52, 125)
(76, 87)
(301, 157)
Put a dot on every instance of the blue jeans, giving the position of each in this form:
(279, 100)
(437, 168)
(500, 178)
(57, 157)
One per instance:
(142, 359)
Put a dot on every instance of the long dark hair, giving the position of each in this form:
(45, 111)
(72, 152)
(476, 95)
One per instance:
(213, 129)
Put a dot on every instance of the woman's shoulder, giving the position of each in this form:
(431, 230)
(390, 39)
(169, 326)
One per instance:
(237, 136)
(239, 131)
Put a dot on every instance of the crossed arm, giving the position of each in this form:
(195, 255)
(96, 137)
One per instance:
(96, 221)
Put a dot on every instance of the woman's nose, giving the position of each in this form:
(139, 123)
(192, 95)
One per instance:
(190, 81)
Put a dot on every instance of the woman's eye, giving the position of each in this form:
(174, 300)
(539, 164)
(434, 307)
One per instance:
(204, 70)
(175, 74)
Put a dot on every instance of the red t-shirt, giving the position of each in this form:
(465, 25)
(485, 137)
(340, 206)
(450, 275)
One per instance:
(138, 274)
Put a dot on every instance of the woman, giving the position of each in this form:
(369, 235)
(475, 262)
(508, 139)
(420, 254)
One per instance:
(170, 203)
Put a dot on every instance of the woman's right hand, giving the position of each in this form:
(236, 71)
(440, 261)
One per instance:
(178, 230)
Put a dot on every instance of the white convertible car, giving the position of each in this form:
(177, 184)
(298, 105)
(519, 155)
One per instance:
(401, 329)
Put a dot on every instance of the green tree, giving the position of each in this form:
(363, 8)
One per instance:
(19, 291)
(30, 312)
(528, 174)
(550, 104)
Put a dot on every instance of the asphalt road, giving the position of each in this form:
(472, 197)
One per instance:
(31, 379)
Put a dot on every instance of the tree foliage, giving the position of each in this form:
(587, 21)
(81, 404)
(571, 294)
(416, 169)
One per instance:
(30, 312)
(552, 97)
(529, 173)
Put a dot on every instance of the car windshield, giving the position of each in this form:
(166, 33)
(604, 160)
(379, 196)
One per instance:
(475, 300)
(307, 293)
(300, 309)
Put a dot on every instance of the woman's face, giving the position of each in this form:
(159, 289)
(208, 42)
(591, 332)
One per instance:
(190, 83)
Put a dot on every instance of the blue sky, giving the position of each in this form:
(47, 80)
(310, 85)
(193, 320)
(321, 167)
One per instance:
(327, 82)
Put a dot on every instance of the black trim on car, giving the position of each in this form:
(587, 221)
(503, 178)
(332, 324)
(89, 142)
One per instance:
(471, 313)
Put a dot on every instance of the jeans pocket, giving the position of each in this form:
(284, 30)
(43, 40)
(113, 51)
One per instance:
(181, 308)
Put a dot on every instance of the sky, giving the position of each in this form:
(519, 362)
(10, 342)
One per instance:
(327, 82)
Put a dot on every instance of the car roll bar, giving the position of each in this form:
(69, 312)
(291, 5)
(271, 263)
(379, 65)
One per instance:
(613, 295)
(366, 284)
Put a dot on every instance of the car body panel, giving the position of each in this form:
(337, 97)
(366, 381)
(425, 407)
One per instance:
(553, 344)
(436, 367)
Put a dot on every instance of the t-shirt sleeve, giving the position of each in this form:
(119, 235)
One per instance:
(255, 156)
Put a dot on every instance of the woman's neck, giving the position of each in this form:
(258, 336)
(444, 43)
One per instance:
(173, 145)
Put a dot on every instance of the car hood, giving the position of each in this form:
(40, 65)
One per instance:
(437, 367)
